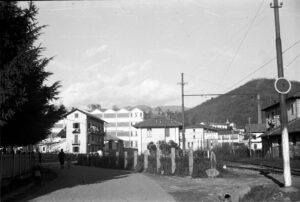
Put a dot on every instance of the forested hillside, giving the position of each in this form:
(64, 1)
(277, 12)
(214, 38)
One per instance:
(237, 108)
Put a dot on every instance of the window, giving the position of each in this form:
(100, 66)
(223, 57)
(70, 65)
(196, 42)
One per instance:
(76, 115)
(141, 114)
(76, 125)
(110, 144)
(194, 130)
(292, 109)
(44, 149)
(167, 132)
(149, 132)
(76, 149)
(255, 146)
(194, 137)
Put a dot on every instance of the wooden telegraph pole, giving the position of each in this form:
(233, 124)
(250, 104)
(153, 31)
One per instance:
(282, 96)
(182, 111)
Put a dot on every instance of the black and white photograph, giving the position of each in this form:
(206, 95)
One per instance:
(150, 100)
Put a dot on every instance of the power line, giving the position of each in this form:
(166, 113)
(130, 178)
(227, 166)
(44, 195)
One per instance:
(243, 39)
(262, 66)
(295, 58)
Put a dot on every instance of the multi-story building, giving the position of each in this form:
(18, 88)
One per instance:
(120, 124)
(84, 132)
(271, 139)
(157, 129)
(200, 137)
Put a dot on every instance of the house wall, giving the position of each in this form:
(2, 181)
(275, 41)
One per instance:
(82, 136)
(156, 134)
(200, 139)
(256, 143)
(298, 108)
(120, 124)
(272, 145)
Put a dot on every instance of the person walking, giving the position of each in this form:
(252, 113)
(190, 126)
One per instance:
(61, 158)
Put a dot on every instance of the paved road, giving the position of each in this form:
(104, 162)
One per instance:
(82, 183)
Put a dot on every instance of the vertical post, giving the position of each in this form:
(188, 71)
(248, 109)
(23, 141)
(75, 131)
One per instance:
(146, 160)
(259, 121)
(134, 159)
(157, 160)
(117, 159)
(191, 162)
(250, 136)
(182, 111)
(173, 162)
(283, 108)
(125, 159)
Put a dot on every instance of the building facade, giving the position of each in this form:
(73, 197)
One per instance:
(271, 139)
(200, 137)
(157, 129)
(84, 132)
(120, 124)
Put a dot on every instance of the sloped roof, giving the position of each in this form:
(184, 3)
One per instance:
(158, 122)
(86, 113)
(293, 96)
(108, 137)
(62, 133)
(255, 128)
(207, 127)
(293, 127)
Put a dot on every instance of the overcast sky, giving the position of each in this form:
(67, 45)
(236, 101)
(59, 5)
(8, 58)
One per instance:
(132, 52)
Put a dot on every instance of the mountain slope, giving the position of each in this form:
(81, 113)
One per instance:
(237, 108)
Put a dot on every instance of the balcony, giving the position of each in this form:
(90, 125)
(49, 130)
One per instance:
(75, 142)
(76, 130)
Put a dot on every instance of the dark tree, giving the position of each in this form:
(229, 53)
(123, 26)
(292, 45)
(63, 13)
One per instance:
(25, 100)
(92, 107)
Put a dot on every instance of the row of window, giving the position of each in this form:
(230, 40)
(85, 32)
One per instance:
(149, 132)
(120, 115)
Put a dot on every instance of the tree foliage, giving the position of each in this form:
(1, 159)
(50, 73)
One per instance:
(25, 100)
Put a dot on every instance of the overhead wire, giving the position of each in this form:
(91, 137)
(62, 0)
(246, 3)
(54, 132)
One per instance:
(266, 63)
(243, 39)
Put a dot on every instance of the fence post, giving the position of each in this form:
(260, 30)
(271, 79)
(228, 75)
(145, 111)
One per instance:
(173, 163)
(117, 159)
(146, 160)
(191, 162)
(157, 160)
(125, 159)
(134, 159)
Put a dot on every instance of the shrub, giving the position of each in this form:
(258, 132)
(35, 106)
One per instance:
(182, 166)
(152, 164)
(166, 165)
(140, 164)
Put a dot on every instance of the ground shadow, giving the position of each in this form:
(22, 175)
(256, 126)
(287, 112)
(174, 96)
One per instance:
(266, 174)
(54, 178)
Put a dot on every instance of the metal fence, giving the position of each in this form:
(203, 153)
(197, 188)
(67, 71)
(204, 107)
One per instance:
(14, 165)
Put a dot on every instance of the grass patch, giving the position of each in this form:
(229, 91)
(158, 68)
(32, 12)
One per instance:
(269, 193)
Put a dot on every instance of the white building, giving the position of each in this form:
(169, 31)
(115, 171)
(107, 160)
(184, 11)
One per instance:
(255, 131)
(157, 129)
(84, 132)
(120, 124)
(200, 137)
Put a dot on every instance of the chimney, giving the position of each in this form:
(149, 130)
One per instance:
(258, 110)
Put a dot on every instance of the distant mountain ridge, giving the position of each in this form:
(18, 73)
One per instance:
(237, 108)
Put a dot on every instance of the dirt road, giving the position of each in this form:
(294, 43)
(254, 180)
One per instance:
(82, 183)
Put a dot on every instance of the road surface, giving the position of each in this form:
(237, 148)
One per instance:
(81, 183)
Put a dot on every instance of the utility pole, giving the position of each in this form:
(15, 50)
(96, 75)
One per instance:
(182, 110)
(283, 108)
(249, 120)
